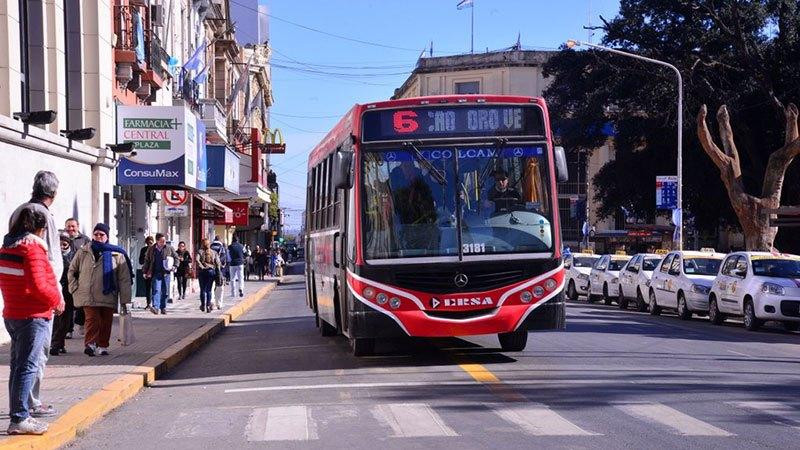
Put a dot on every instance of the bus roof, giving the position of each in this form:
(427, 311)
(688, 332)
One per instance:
(350, 122)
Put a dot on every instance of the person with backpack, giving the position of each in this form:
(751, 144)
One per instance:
(219, 283)
(236, 252)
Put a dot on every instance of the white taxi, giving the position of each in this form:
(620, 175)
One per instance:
(633, 280)
(683, 281)
(604, 277)
(578, 266)
(758, 286)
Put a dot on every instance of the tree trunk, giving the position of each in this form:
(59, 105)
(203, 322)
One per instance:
(759, 236)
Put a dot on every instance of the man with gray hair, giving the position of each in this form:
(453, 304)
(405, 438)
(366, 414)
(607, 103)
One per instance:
(45, 187)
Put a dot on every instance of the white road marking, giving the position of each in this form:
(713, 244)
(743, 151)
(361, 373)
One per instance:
(786, 413)
(281, 423)
(683, 424)
(412, 420)
(539, 420)
(542, 382)
(739, 353)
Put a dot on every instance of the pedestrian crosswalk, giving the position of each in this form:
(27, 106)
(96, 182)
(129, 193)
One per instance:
(313, 422)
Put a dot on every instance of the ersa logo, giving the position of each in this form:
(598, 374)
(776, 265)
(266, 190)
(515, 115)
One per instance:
(461, 301)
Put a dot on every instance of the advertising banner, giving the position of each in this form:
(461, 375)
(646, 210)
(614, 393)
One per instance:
(165, 141)
(241, 211)
(223, 169)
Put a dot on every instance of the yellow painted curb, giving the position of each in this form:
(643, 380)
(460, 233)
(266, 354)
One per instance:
(83, 414)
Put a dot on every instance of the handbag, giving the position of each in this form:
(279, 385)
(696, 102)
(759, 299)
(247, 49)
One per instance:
(126, 334)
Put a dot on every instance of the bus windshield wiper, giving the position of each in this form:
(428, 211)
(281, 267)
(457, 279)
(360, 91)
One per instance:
(435, 173)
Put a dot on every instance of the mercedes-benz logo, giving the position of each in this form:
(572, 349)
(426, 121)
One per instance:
(518, 152)
(461, 280)
(391, 156)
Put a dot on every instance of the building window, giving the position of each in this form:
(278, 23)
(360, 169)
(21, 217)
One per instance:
(468, 87)
(23, 55)
(74, 64)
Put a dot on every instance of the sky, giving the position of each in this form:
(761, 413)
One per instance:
(329, 55)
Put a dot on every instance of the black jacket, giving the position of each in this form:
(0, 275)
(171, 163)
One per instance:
(236, 253)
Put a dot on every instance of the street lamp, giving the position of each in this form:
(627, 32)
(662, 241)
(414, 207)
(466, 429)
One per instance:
(573, 43)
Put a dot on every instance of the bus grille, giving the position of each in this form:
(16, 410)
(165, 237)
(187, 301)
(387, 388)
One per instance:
(460, 315)
(443, 282)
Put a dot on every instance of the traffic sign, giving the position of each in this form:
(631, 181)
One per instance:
(666, 192)
(175, 198)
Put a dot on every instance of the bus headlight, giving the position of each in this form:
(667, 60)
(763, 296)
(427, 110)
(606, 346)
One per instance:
(550, 284)
(525, 296)
(382, 298)
(394, 302)
(538, 291)
(369, 293)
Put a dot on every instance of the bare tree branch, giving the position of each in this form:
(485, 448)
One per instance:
(720, 159)
(780, 159)
(726, 133)
(791, 123)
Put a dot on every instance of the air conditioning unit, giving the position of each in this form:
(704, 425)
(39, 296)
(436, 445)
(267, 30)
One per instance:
(157, 15)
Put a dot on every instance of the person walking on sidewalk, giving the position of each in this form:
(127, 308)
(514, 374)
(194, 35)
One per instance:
(30, 295)
(63, 322)
(248, 262)
(77, 240)
(156, 269)
(184, 268)
(148, 283)
(261, 260)
(236, 251)
(45, 188)
(100, 279)
(219, 282)
(208, 270)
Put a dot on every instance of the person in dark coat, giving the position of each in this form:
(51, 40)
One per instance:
(63, 322)
(148, 242)
(184, 268)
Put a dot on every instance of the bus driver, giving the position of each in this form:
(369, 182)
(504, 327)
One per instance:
(503, 197)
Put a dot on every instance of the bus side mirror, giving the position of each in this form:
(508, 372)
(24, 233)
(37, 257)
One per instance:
(562, 175)
(342, 178)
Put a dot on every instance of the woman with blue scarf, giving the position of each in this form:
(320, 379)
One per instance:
(99, 280)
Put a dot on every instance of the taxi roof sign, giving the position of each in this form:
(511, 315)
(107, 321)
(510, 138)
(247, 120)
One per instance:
(708, 250)
(661, 251)
(588, 251)
(621, 253)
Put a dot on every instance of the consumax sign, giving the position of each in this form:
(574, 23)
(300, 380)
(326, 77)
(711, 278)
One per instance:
(165, 141)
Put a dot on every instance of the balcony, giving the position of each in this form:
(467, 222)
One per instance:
(214, 118)
(126, 45)
(141, 67)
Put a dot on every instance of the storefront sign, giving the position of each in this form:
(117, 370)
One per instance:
(202, 157)
(223, 169)
(165, 141)
(240, 217)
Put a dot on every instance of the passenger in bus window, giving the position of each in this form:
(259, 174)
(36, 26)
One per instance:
(502, 195)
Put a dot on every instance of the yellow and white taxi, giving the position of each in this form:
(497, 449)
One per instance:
(604, 277)
(683, 281)
(758, 286)
(578, 266)
(633, 280)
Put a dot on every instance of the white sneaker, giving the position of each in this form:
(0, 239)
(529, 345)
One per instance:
(102, 351)
(27, 426)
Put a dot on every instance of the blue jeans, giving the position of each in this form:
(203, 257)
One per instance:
(160, 289)
(28, 338)
(206, 283)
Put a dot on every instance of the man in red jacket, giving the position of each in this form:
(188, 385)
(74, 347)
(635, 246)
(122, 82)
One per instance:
(30, 295)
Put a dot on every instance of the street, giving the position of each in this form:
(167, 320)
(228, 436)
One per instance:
(613, 379)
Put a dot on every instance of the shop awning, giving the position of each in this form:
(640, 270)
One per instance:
(215, 210)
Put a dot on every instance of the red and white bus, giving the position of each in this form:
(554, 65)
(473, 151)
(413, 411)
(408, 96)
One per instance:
(436, 216)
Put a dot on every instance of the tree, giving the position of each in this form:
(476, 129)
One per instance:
(744, 54)
(749, 208)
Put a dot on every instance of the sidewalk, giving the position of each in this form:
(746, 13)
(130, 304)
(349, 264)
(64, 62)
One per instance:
(162, 341)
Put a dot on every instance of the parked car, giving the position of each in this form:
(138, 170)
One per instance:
(578, 266)
(603, 279)
(683, 281)
(758, 286)
(633, 279)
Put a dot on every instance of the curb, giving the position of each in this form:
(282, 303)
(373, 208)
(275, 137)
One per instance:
(86, 412)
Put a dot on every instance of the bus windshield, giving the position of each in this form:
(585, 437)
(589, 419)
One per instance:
(421, 202)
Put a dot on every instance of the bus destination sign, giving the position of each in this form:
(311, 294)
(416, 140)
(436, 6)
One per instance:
(452, 122)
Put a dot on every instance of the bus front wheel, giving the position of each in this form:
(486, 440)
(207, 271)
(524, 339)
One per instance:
(363, 346)
(514, 341)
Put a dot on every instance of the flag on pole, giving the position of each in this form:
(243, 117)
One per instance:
(193, 63)
(464, 4)
(244, 78)
(202, 76)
